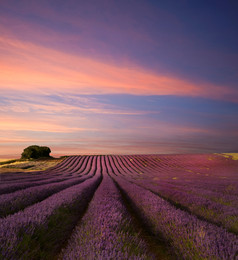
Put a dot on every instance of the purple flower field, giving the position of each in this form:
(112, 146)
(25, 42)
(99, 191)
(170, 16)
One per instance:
(122, 207)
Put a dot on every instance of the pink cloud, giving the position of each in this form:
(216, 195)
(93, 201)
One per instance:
(32, 67)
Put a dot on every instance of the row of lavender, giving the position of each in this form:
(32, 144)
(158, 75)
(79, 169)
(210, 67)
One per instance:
(34, 187)
(17, 181)
(18, 200)
(59, 196)
(106, 230)
(65, 192)
(191, 237)
(216, 202)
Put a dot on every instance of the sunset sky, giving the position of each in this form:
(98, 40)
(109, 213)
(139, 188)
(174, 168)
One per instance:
(118, 77)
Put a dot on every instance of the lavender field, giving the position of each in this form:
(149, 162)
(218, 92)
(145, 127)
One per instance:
(122, 207)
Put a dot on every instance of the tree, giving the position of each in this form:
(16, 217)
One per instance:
(35, 152)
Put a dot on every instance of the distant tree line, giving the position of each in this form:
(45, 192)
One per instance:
(35, 152)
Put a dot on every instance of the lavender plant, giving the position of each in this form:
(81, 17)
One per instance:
(106, 230)
(190, 237)
(20, 229)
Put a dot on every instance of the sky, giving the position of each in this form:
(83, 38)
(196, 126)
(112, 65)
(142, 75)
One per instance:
(118, 77)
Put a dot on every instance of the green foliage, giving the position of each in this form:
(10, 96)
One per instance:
(35, 152)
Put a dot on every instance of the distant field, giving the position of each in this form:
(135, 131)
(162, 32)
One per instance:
(121, 207)
(234, 156)
(11, 165)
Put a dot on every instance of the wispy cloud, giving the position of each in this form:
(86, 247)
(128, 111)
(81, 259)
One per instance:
(20, 124)
(64, 104)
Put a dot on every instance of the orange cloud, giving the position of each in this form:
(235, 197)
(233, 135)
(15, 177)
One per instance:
(15, 123)
(34, 68)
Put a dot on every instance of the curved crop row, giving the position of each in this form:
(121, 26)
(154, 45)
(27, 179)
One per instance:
(190, 237)
(181, 199)
(25, 225)
(12, 202)
(50, 177)
(220, 209)
(106, 230)
(217, 210)
(25, 176)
